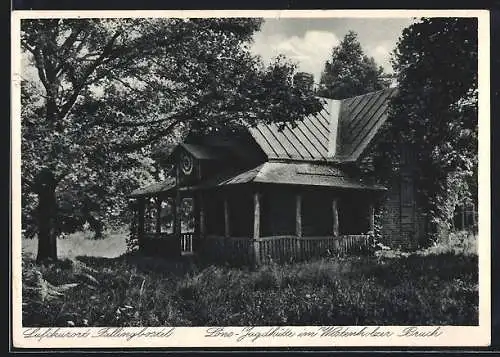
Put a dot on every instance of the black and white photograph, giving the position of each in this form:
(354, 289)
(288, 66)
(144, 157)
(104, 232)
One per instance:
(250, 177)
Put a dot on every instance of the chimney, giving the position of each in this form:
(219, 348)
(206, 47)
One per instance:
(334, 109)
(304, 80)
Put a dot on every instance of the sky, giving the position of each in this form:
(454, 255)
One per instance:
(309, 42)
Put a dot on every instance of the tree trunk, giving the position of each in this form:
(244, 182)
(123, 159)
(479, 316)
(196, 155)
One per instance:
(46, 190)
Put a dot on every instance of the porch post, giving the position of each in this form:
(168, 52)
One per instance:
(256, 227)
(335, 216)
(371, 217)
(177, 220)
(226, 218)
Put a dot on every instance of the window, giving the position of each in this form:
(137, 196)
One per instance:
(166, 216)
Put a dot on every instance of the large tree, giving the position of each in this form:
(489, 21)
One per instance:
(111, 89)
(350, 72)
(436, 61)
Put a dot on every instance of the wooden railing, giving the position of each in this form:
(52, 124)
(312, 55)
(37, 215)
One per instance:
(233, 250)
(244, 251)
(186, 243)
(292, 248)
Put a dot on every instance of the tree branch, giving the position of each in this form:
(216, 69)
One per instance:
(134, 124)
(70, 40)
(39, 64)
(76, 91)
(123, 148)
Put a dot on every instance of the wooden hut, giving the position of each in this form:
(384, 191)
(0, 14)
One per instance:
(267, 193)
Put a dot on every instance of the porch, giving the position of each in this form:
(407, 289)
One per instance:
(254, 224)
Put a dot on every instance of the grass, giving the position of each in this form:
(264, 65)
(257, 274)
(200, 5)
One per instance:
(429, 288)
(112, 245)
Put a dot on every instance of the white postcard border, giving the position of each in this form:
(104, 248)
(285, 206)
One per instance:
(197, 336)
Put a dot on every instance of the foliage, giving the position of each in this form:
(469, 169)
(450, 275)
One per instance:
(418, 289)
(109, 92)
(132, 240)
(350, 72)
(436, 109)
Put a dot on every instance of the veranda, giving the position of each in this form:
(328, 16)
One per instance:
(253, 224)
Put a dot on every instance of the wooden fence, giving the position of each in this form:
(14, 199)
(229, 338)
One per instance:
(186, 243)
(281, 249)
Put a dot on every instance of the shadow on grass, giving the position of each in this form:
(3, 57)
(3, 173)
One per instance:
(144, 264)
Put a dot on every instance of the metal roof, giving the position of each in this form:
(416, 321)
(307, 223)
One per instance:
(292, 173)
(154, 188)
(307, 141)
(360, 119)
(357, 123)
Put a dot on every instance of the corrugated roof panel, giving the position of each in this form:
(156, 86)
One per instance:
(363, 141)
(317, 137)
(277, 148)
(364, 119)
(319, 130)
(323, 120)
(308, 149)
(296, 142)
(316, 151)
(360, 119)
(263, 142)
(286, 142)
(363, 104)
(357, 117)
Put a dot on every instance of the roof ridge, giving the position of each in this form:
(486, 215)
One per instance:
(372, 92)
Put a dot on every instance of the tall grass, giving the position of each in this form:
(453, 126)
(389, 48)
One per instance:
(437, 289)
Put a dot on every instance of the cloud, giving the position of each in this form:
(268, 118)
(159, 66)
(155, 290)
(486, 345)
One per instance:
(309, 51)
(382, 54)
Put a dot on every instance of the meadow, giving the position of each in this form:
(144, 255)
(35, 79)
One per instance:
(95, 283)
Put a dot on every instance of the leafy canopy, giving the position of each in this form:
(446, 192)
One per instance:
(436, 109)
(350, 72)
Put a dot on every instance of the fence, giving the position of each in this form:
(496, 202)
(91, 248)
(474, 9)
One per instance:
(245, 251)
(186, 243)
